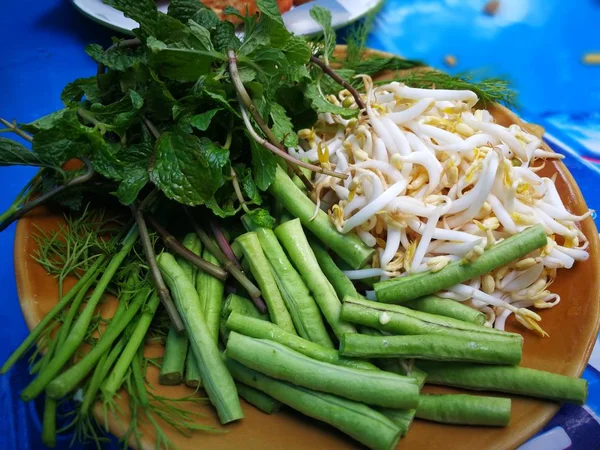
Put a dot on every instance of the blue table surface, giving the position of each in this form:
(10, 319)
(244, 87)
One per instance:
(539, 44)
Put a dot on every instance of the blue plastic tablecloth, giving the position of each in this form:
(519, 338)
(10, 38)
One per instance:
(539, 44)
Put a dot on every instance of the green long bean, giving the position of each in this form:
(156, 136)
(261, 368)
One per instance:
(431, 347)
(357, 420)
(300, 304)
(261, 269)
(463, 409)
(193, 244)
(513, 380)
(260, 329)
(192, 375)
(448, 308)
(403, 289)
(368, 386)
(68, 380)
(403, 418)
(293, 239)
(258, 399)
(210, 294)
(80, 327)
(402, 367)
(341, 283)
(173, 363)
(398, 319)
(349, 247)
(241, 305)
(215, 377)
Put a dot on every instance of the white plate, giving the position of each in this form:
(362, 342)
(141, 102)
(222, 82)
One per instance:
(297, 19)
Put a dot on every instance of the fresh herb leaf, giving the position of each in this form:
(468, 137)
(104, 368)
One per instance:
(248, 186)
(264, 165)
(135, 179)
(142, 11)
(202, 35)
(282, 126)
(375, 64)
(202, 121)
(270, 9)
(297, 51)
(188, 169)
(184, 10)
(322, 105)
(14, 154)
(261, 218)
(76, 90)
(116, 58)
(45, 122)
(323, 17)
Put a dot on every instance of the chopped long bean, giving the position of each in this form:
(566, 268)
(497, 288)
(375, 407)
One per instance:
(403, 418)
(513, 380)
(463, 409)
(368, 386)
(357, 420)
(349, 247)
(260, 329)
(341, 283)
(210, 292)
(431, 347)
(293, 239)
(193, 244)
(193, 378)
(258, 399)
(448, 308)
(403, 289)
(241, 305)
(402, 367)
(215, 377)
(261, 269)
(173, 363)
(300, 304)
(398, 319)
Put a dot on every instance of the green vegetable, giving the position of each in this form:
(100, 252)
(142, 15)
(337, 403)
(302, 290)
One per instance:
(77, 333)
(450, 348)
(210, 294)
(277, 361)
(260, 329)
(402, 367)
(193, 378)
(349, 247)
(403, 289)
(173, 364)
(82, 285)
(449, 308)
(513, 380)
(398, 319)
(403, 418)
(261, 269)
(216, 379)
(300, 304)
(241, 305)
(68, 380)
(462, 409)
(357, 420)
(293, 239)
(341, 283)
(49, 422)
(193, 244)
(258, 399)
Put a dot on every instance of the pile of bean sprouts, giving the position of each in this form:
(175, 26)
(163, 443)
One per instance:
(432, 180)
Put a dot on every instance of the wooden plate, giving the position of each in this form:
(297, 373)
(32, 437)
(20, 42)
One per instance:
(572, 325)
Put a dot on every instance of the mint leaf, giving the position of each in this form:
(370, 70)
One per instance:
(297, 50)
(116, 58)
(261, 218)
(202, 35)
(282, 126)
(202, 121)
(264, 165)
(76, 90)
(180, 64)
(45, 122)
(248, 186)
(188, 169)
(184, 10)
(136, 99)
(142, 11)
(135, 179)
(270, 9)
(67, 139)
(321, 105)
(14, 154)
(224, 37)
(323, 17)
